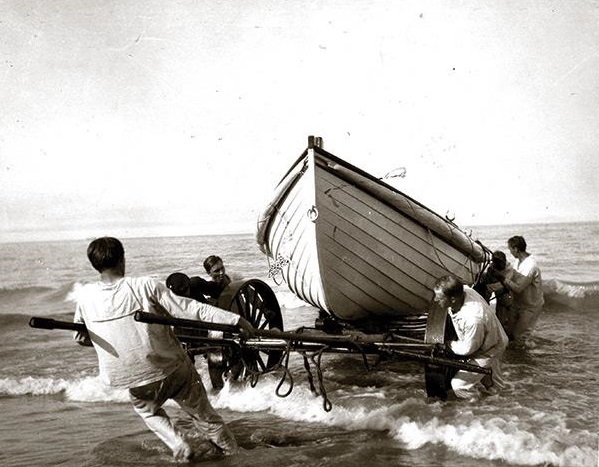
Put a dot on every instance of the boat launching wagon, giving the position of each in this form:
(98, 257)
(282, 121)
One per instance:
(362, 252)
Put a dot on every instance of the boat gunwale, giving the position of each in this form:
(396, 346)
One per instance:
(266, 216)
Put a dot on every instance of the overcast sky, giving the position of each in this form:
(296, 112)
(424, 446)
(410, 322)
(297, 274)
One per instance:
(136, 117)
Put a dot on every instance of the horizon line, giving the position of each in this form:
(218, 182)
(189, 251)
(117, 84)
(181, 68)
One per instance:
(78, 235)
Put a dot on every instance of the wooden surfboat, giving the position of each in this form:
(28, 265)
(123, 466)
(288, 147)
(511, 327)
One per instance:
(357, 248)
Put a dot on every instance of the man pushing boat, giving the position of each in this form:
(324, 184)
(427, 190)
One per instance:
(480, 335)
(148, 359)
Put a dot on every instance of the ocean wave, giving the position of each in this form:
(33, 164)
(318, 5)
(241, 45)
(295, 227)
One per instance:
(571, 294)
(18, 294)
(516, 435)
(85, 389)
(577, 295)
(539, 438)
(30, 386)
(503, 437)
(6, 293)
(289, 300)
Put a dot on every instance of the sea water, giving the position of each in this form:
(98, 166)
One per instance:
(56, 412)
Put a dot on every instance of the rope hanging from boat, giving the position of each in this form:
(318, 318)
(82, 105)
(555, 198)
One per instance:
(486, 262)
(432, 243)
(316, 359)
(467, 262)
(286, 372)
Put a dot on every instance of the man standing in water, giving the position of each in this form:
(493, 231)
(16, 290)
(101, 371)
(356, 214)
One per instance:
(490, 285)
(219, 279)
(146, 358)
(526, 286)
(480, 335)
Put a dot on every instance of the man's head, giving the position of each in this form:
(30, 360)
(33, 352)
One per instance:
(499, 260)
(215, 268)
(179, 283)
(517, 245)
(449, 292)
(106, 253)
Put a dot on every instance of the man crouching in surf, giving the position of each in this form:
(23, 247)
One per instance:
(146, 358)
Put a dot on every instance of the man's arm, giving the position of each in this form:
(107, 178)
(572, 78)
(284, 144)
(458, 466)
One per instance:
(186, 308)
(200, 286)
(81, 337)
(470, 342)
(518, 282)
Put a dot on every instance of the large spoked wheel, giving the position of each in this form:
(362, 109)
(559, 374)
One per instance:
(255, 301)
(439, 329)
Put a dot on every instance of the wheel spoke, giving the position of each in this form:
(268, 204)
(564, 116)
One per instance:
(247, 302)
(264, 324)
(253, 308)
(258, 319)
(255, 299)
(258, 308)
(240, 308)
(260, 362)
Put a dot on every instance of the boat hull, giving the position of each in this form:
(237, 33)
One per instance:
(355, 247)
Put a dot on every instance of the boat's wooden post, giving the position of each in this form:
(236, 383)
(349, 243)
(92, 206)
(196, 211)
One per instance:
(314, 142)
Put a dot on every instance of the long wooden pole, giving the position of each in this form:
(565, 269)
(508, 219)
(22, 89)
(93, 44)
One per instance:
(278, 340)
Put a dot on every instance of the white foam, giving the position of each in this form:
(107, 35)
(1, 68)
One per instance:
(290, 301)
(32, 386)
(87, 389)
(91, 389)
(544, 439)
(516, 435)
(74, 293)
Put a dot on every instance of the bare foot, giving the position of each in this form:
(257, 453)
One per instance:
(183, 453)
(487, 382)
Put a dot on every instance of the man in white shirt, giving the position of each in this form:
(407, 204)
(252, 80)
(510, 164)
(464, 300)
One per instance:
(147, 358)
(526, 286)
(480, 335)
